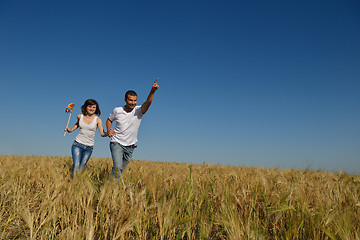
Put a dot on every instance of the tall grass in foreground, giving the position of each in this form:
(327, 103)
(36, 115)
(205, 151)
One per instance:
(153, 200)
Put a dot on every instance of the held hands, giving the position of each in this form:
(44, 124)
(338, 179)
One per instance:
(104, 134)
(111, 133)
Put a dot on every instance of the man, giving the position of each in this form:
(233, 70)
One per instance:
(127, 120)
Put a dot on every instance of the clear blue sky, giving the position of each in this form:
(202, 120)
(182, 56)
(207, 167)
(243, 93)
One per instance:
(243, 83)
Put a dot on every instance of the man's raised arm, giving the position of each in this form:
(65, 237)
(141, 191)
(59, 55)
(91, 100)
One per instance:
(145, 106)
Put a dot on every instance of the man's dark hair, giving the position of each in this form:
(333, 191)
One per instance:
(130, 93)
(90, 102)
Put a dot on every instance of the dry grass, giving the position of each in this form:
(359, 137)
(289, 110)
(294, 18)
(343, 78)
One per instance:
(153, 200)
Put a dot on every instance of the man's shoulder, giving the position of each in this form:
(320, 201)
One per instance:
(115, 112)
(138, 110)
(118, 109)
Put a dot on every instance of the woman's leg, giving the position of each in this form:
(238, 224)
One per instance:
(85, 157)
(76, 152)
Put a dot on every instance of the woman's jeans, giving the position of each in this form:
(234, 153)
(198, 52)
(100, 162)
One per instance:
(121, 157)
(80, 154)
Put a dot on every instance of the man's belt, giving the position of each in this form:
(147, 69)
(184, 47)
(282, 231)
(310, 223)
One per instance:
(131, 146)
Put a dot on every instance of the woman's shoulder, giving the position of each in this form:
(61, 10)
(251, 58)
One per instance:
(79, 116)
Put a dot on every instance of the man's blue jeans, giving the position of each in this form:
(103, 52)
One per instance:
(121, 157)
(80, 154)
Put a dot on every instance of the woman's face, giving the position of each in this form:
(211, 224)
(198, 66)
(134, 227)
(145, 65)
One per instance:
(90, 109)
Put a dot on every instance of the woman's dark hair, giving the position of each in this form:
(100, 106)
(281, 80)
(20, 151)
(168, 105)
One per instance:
(90, 102)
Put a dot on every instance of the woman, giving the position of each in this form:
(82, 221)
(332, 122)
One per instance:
(82, 147)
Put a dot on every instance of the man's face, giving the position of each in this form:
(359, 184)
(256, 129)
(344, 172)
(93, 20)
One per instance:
(131, 101)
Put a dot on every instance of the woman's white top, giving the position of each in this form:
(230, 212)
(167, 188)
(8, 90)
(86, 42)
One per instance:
(86, 133)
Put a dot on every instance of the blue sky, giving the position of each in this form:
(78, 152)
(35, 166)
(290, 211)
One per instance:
(243, 83)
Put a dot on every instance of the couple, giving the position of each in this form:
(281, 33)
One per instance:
(123, 138)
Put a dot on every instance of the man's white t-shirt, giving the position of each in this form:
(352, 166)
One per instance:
(127, 125)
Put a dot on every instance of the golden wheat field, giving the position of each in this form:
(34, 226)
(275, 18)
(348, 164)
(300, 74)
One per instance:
(156, 200)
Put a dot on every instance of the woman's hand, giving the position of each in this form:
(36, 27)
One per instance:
(68, 130)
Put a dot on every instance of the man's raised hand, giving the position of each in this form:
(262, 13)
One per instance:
(155, 86)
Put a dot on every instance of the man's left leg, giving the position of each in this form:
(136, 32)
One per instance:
(127, 154)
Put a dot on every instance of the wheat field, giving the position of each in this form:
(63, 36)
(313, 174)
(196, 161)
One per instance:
(157, 200)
